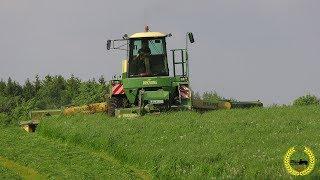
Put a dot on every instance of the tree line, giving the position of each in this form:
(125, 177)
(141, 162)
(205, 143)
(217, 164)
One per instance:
(54, 92)
(51, 92)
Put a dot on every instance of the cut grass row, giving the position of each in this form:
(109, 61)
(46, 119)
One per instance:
(227, 144)
(22, 171)
(30, 156)
(8, 174)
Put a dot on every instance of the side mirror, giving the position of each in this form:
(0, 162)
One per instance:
(108, 44)
(191, 39)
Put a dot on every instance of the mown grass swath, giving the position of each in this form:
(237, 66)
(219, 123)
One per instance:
(33, 156)
(8, 174)
(236, 143)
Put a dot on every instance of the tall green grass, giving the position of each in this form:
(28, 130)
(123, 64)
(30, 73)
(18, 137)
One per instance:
(54, 159)
(225, 144)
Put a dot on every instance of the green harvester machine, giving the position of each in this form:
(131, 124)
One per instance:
(146, 85)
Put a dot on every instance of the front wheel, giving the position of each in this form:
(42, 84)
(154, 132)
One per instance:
(116, 102)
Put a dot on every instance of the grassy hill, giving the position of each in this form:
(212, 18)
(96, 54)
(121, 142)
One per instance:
(225, 144)
(24, 155)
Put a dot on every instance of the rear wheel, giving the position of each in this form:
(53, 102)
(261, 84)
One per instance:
(116, 102)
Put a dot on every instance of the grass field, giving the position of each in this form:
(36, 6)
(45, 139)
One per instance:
(224, 144)
(24, 155)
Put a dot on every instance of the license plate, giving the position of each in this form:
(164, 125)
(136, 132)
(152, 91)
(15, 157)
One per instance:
(156, 101)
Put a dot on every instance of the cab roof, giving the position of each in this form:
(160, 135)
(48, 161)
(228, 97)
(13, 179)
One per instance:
(147, 34)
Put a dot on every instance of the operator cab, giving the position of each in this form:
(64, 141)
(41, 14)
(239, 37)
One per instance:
(147, 55)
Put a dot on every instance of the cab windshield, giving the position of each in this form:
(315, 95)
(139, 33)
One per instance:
(148, 57)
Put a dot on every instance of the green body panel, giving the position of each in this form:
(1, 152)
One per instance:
(133, 85)
(142, 82)
(156, 95)
(153, 89)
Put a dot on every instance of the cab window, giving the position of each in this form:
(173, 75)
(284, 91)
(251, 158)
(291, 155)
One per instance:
(148, 57)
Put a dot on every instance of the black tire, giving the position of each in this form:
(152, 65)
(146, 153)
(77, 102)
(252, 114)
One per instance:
(114, 103)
